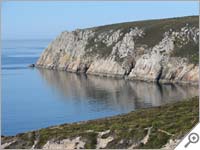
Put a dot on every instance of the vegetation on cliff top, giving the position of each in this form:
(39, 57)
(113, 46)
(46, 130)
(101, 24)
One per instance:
(154, 30)
(166, 122)
(189, 51)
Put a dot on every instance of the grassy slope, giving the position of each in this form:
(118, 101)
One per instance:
(177, 119)
(154, 30)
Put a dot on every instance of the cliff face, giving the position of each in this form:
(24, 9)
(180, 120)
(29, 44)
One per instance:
(157, 50)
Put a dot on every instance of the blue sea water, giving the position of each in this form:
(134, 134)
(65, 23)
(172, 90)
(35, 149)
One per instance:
(36, 98)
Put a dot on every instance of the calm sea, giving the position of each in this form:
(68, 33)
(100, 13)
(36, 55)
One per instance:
(37, 98)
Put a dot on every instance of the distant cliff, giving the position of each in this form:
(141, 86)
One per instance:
(155, 50)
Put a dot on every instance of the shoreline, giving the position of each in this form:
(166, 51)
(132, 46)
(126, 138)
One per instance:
(160, 81)
(145, 128)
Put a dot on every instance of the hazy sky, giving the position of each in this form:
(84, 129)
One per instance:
(45, 20)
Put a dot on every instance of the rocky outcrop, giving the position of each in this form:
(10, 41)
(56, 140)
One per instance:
(156, 50)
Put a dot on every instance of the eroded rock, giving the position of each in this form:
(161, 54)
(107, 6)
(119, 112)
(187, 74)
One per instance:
(127, 51)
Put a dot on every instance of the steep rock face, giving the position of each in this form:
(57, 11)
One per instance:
(156, 50)
(160, 64)
(66, 52)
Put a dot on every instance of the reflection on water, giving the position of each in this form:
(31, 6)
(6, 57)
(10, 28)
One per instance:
(109, 93)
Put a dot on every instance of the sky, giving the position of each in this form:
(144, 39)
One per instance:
(46, 20)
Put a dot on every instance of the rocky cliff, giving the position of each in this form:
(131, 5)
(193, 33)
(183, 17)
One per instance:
(156, 50)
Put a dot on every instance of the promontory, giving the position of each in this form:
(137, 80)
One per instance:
(163, 50)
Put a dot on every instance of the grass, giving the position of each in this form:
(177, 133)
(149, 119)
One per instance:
(156, 140)
(154, 30)
(91, 140)
(189, 51)
(129, 128)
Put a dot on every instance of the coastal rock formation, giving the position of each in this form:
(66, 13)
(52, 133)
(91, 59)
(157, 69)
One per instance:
(156, 50)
